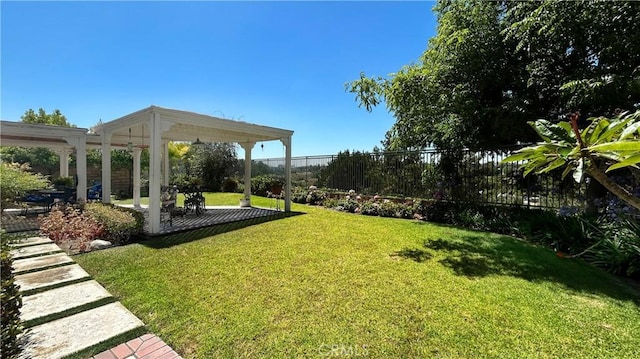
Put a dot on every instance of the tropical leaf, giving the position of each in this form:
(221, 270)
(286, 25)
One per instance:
(631, 130)
(567, 127)
(549, 131)
(612, 130)
(595, 129)
(558, 162)
(626, 146)
(629, 161)
(520, 156)
(533, 165)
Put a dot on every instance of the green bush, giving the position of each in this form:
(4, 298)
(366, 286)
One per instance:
(230, 185)
(260, 185)
(617, 246)
(16, 181)
(347, 205)
(11, 304)
(118, 225)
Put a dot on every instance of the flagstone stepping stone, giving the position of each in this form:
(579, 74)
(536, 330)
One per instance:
(68, 335)
(31, 241)
(26, 264)
(50, 277)
(34, 250)
(61, 299)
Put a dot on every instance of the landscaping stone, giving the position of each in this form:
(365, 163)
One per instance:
(61, 299)
(68, 335)
(31, 241)
(22, 265)
(49, 277)
(99, 244)
(40, 249)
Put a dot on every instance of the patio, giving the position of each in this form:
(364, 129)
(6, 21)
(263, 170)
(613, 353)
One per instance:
(213, 215)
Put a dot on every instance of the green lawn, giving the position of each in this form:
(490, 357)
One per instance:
(378, 287)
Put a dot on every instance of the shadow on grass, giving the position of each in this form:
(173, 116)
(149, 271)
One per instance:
(415, 254)
(481, 256)
(169, 240)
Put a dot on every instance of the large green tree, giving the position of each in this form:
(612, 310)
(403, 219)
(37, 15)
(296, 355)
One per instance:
(494, 65)
(211, 163)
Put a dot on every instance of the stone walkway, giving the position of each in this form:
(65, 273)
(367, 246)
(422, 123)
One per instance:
(66, 312)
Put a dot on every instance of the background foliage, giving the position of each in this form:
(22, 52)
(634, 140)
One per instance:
(494, 65)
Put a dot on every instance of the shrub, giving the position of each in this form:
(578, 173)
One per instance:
(436, 211)
(617, 246)
(260, 185)
(11, 303)
(299, 195)
(118, 225)
(369, 208)
(230, 185)
(347, 205)
(68, 225)
(330, 203)
(17, 181)
(315, 197)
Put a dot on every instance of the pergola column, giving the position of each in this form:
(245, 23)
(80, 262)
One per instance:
(286, 142)
(64, 153)
(106, 167)
(165, 165)
(155, 150)
(137, 152)
(81, 168)
(247, 147)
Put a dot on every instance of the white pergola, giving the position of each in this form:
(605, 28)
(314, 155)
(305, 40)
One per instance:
(62, 140)
(152, 128)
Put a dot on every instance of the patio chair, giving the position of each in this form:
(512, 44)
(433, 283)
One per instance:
(168, 198)
(194, 200)
(276, 194)
(94, 192)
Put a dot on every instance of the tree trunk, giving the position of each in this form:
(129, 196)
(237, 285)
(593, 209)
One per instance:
(613, 187)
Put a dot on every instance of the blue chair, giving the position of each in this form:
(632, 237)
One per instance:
(94, 192)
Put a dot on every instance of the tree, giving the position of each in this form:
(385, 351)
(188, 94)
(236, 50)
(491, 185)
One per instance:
(56, 118)
(494, 66)
(16, 181)
(612, 143)
(211, 163)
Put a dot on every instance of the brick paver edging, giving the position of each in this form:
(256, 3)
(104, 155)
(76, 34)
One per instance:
(148, 346)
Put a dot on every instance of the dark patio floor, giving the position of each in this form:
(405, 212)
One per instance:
(214, 215)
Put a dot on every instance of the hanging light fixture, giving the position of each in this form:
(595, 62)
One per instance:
(130, 144)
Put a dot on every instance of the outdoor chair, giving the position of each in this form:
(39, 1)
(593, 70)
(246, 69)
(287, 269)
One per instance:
(94, 192)
(276, 194)
(168, 199)
(194, 200)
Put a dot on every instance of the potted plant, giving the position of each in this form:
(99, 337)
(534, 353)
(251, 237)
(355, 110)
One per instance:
(62, 182)
(245, 201)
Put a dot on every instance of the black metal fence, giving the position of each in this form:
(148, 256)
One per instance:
(466, 176)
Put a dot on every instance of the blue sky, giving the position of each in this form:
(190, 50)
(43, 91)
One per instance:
(281, 64)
